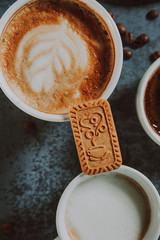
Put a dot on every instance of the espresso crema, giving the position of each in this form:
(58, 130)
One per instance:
(55, 53)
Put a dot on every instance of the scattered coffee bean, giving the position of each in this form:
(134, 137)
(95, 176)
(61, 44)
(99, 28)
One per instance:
(127, 54)
(30, 126)
(127, 38)
(7, 227)
(111, 14)
(144, 38)
(121, 28)
(151, 15)
(155, 56)
(140, 41)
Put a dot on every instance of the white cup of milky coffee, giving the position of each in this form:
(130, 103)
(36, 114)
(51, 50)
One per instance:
(57, 53)
(122, 204)
(147, 101)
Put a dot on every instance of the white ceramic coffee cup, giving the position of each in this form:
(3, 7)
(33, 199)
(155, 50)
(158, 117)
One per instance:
(116, 71)
(140, 102)
(153, 196)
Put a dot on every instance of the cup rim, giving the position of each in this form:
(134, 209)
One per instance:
(137, 176)
(97, 7)
(140, 102)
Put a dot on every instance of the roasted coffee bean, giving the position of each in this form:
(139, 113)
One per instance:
(111, 14)
(151, 15)
(155, 56)
(144, 38)
(7, 228)
(30, 126)
(121, 28)
(128, 38)
(140, 41)
(127, 54)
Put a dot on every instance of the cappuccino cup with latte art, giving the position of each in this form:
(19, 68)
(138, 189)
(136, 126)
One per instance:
(55, 53)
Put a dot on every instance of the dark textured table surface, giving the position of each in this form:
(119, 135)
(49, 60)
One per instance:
(36, 168)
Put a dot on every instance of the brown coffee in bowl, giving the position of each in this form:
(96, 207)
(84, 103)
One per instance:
(55, 53)
(152, 101)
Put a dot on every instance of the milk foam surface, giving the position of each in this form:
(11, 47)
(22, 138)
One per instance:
(108, 207)
(51, 51)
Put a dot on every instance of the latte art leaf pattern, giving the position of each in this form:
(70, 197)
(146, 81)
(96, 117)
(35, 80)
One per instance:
(48, 53)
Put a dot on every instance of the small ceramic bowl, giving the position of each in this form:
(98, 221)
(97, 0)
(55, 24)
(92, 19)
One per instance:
(153, 196)
(140, 102)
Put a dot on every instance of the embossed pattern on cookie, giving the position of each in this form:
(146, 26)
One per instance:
(95, 137)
